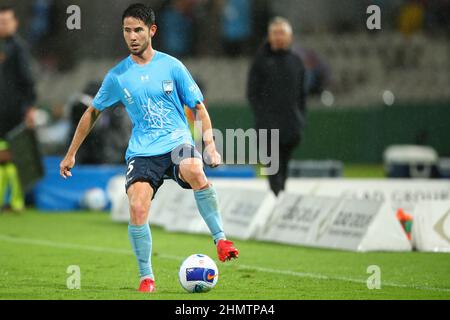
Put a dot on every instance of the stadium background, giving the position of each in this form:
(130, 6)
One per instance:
(369, 90)
(406, 58)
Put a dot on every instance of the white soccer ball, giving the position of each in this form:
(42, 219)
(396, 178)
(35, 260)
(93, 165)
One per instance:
(198, 273)
(94, 199)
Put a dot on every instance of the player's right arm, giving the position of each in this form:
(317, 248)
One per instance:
(107, 96)
(85, 126)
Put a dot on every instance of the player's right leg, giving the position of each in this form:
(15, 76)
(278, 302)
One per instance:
(140, 195)
(142, 185)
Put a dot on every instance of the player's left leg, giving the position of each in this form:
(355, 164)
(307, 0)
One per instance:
(191, 171)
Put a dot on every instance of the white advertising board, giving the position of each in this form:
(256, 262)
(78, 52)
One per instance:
(347, 214)
(328, 222)
(431, 227)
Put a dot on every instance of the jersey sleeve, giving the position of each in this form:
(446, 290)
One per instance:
(188, 90)
(108, 95)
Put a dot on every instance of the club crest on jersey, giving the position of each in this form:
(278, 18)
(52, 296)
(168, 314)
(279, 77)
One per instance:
(168, 86)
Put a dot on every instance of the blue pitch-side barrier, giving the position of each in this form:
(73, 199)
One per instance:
(53, 193)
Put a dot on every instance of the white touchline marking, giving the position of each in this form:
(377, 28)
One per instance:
(319, 276)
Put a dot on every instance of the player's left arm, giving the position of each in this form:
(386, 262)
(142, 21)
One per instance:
(191, 96)
(214, 159)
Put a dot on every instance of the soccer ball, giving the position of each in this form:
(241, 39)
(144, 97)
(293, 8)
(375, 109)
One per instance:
(94, 199)
(198, 273)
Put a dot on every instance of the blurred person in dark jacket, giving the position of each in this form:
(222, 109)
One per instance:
(17, 98)
(276, 92)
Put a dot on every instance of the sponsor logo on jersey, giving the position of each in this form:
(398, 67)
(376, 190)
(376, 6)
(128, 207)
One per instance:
(128, 96)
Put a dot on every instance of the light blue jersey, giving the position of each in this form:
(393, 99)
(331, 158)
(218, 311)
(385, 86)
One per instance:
(154, 96)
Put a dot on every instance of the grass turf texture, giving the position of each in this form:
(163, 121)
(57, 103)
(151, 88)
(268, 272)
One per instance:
(36, 250)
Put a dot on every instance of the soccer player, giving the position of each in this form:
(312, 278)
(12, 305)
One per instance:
(153, 87)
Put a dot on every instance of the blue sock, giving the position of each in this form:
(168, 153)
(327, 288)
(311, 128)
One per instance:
(208, 206)
(141, 242)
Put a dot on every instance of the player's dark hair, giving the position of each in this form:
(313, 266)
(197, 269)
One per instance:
(7, 8)
(140, 11)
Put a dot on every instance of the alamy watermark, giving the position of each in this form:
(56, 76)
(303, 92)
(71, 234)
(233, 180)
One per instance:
(240, 147)
(374, 281)
(73, 282)
(73, 21)
(374, 20)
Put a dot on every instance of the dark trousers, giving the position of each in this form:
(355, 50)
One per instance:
(278, 181)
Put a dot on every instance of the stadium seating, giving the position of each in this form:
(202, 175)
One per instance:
(363, 66)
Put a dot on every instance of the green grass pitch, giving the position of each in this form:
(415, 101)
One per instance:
(36, 249)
